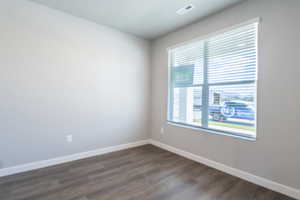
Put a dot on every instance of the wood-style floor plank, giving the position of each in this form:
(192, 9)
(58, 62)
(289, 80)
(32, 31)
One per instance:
(142, 173)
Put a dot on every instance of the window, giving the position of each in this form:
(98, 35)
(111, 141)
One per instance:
(213, 82)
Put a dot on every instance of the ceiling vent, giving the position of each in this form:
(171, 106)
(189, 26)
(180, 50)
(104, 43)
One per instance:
(185, 9)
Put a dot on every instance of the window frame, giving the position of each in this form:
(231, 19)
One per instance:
(205, 97)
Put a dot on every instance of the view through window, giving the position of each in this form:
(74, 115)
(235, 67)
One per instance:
(213, 82)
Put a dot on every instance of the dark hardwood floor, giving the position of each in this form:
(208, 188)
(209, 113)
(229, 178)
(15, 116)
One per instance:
(142, 173)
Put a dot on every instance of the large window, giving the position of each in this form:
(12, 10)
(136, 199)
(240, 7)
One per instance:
(213, 82)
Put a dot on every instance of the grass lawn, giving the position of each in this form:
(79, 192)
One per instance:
(235, 126)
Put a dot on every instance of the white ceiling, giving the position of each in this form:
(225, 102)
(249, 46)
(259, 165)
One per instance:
(145, 18)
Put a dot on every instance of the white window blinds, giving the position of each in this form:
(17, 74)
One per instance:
(213, 82)
(232, 56)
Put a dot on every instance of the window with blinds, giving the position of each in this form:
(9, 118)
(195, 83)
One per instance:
(213, 82)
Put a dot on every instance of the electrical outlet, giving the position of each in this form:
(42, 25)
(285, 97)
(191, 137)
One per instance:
(162, 131)
(69, 138)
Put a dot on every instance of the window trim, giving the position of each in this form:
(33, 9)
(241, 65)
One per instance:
(213, 131)
(206, 129)
(207, 36)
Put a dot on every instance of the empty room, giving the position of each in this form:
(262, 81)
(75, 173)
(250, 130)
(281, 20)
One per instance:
(149, 100)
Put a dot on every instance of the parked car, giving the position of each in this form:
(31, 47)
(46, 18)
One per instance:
(232, 109)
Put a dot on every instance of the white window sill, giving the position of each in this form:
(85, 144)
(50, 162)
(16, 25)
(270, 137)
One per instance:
(218, 132)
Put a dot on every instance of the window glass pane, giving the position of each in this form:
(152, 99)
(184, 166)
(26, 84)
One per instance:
(213, 82)
(232, 108)
(187, 105)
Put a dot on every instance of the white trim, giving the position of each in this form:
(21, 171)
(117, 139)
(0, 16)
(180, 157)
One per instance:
(207, 130)
(205, 37)
(292, 192)
(68, 158)
(246, 136)
(289, 191)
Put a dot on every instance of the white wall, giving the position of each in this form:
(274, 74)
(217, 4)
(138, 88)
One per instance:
(63, 75)
(275, 154)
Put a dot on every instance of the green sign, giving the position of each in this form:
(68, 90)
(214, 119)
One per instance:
(182, 76)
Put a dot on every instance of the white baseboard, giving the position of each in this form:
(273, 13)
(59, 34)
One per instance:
(289, 191)
(64, 159)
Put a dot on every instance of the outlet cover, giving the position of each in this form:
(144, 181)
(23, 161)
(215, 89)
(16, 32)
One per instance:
(69, 138)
